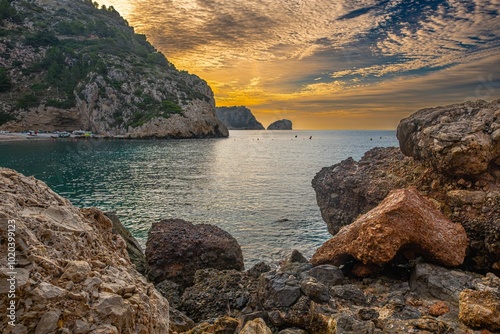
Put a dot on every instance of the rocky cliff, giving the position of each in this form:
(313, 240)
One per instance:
(283, 124)
(70, 272)
(238, 118)
(67, 65)
(453, 158)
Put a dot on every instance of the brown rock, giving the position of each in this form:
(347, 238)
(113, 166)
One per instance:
(438, 309)
(480, 309)
(403, 221)
(459, 139)
(256, 326)
(70, 257)
(176, 249)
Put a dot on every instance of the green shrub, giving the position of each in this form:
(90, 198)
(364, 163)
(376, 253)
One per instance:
(27, 101)
(64, 104)
(5, 117)
(5, 82)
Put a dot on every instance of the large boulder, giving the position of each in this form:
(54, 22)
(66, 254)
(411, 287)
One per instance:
(404, 222)
(176, 249)
(238, 118)
(73, 273)
(350, 188)
(460, 139)
(282, 124)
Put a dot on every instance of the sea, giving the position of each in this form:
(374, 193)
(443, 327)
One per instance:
(256, 185)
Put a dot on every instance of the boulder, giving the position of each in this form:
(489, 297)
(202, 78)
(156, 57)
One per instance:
(460, 139)
(283, 124)
(238, 118)
(351, 188)
(75, 274)
(404, 223)
(176, 249)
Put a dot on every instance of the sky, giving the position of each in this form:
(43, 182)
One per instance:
(329, 64)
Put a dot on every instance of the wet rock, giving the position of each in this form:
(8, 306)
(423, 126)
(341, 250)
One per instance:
(134, 250)
(480, 309)
(256, 326)
(403, 222)
(73, 262)
(176, 249)
(295, 264)
(457, 139)
(441, 283)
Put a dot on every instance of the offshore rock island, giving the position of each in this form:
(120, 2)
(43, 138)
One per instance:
(75, 273)
(69, 65)
(238, 118)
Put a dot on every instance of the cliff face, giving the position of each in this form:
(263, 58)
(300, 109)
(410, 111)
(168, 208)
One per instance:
(68, 65)
(455, 162)
(73, 274)
(238, 118)
(283, 124)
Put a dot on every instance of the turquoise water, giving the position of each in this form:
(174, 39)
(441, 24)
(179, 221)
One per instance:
(255, 184)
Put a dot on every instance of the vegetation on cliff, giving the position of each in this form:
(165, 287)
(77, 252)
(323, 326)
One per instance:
(75, 64)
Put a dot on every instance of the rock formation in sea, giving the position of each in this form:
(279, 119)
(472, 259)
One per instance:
(283, 124)
(455, 162)
(238, 118)
(71, 65)
(72, 273)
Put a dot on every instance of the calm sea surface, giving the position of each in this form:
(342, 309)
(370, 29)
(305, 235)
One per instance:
(255, 184)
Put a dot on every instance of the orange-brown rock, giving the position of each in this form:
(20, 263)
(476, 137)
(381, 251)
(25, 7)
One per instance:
(480, 309)
(405, 222)
(438, 309)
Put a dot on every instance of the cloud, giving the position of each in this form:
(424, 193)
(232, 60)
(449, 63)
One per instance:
(328, 57)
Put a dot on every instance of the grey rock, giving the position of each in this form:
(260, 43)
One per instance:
(347, 324)
(179, 322)
(368, 314)
(81, 327)
(283, 124)
(259, 269)
(327, 274)
(456, 139)
(315, 290)
(134, 250)
(409, 312)
(171, 291)
(349, 292)
(238, 118)
(441, 283)
(279, 289)
(48, 322)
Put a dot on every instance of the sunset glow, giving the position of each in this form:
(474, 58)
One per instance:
(361, 64)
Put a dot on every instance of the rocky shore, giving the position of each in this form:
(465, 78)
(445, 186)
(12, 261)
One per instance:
(415, 249)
